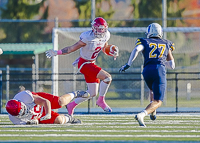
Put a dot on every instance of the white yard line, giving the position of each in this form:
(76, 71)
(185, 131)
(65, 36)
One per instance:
(93, 131)
(100, 136)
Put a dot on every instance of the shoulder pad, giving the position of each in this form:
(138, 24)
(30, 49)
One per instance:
(138, 41)
(172, 47)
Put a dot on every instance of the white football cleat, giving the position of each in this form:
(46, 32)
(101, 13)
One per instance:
(73, 120)
(83, 94)
(153, 115)
(140, 120)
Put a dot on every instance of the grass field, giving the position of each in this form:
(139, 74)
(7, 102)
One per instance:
(122, 127)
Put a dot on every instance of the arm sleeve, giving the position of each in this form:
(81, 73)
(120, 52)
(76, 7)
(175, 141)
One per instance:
(134, 53)
(107, 36)
(170, 64)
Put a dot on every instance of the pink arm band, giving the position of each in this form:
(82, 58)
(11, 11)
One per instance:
(59, 52)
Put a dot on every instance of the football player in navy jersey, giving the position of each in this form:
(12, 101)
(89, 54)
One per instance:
(157, 53)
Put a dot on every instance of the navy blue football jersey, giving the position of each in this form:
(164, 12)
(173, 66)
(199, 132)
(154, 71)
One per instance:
(155, 50)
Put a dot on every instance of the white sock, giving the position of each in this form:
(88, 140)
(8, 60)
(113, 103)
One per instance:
(72, 95)
(66, 119)
(145, 112)
(103, 88)
(80, 100)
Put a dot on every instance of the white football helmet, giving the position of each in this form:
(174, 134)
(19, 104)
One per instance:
(154, 30)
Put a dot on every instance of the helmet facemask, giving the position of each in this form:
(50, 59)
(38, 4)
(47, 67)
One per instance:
(23, 110)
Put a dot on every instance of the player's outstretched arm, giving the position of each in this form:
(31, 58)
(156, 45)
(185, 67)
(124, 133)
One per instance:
(132, 57)
(50, 53)
(73, 48)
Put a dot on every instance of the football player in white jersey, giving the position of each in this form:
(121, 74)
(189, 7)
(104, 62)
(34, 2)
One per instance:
(36, 108)
(90, 44)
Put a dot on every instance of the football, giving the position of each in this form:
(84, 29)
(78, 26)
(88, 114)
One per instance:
(108, 49)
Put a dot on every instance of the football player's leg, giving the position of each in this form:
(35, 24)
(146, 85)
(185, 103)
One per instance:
(90, 72)
(153, 114)
(158, 91)
(54, 115)
(54, 100)
(149, 81)
(62, 119)
(158, 88)
(104, 85)
(92, 90)
(66, 98)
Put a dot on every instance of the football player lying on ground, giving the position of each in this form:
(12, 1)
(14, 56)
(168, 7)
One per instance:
(36, 108)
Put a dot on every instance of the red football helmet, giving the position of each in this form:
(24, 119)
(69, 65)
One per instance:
(15, 108)
(99, 27)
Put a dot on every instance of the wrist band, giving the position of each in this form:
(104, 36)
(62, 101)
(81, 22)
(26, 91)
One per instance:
(59, 52)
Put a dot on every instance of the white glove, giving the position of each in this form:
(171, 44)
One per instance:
(50, 53)
(114, 52)
(32, 122)
(46, 117)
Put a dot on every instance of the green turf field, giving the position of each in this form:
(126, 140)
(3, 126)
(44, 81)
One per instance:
(172, 127)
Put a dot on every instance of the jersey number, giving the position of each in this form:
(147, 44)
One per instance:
(97, 50)
(155, 46)
(37, 110)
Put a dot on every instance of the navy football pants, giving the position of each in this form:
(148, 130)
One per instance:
(155, 78)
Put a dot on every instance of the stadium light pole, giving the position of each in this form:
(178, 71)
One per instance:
(164, 17)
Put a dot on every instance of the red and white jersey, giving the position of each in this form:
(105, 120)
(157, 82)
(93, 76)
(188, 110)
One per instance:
(34, 111)
(94, 45)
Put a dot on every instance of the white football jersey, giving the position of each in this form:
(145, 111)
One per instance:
(35, 111)
(94, 45)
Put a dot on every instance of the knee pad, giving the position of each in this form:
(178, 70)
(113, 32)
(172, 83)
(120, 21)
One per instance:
(108, 79)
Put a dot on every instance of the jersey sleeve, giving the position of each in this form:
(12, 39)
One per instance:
(25, 97)
(17, 121)
(83, 37)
